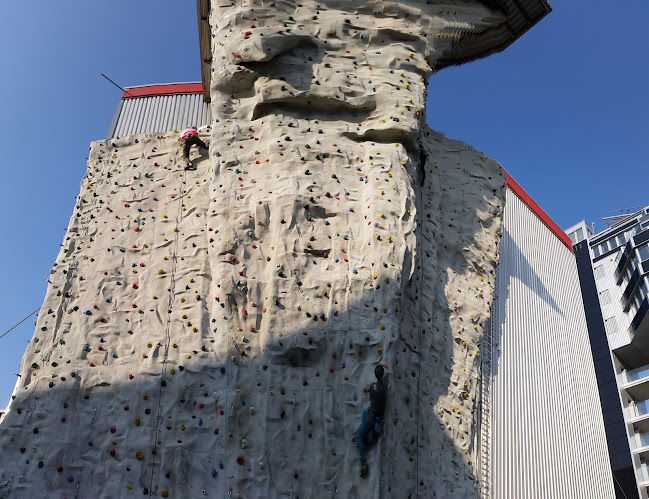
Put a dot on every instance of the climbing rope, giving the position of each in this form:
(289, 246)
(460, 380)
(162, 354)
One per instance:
(172, 289)
(18, 324)
(421, 272)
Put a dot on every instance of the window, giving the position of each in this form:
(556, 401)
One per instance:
(579, 235)
(621, 240)
(643, 251)
(599, 271)
(611, 325)
(596, 251)
(605, 297)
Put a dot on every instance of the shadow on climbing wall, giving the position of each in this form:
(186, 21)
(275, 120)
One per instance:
(263, 405)
(298, 403)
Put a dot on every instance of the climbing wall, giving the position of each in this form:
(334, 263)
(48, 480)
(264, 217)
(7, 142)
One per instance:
(209, 332)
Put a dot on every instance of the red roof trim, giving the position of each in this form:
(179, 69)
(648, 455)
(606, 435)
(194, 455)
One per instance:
(524, 196)
(173, 88)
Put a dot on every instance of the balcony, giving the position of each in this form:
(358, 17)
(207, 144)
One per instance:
(643, 476)
(638, 415)
(636, 382)
(640, 445)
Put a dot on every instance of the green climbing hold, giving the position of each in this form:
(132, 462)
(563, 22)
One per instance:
(35, 366)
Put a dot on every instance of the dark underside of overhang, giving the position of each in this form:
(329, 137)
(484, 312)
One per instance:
(520, 16)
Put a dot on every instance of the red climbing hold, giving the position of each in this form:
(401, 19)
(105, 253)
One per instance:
(59, 469)
(112, 429)
(240, 461)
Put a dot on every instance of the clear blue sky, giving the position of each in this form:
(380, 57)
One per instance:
(564, 110)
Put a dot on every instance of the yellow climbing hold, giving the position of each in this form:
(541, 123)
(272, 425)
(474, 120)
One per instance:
(164, 493)
(182, 300)
(136, 421)
(182, 427)
(174, 345)
(380, 350)
(160, 272)
(139, 455)
(129, 486)
(382, 327)
(145, 396)
(149, 345)
(172, 371)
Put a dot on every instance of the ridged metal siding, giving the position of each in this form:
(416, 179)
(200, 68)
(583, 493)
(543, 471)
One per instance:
(161, 113)
(547, 431)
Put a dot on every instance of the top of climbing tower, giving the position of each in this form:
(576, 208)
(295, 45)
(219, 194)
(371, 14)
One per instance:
(519, 17)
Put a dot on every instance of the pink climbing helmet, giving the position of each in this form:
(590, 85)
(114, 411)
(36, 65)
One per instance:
(186, 132)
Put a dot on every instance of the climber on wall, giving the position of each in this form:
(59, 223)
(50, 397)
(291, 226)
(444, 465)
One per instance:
(188, 138)
(373, 421)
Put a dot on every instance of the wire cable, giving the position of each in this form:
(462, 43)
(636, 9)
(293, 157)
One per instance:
(18, 324)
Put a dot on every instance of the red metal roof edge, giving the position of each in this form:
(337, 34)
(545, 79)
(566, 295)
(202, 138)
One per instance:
(168, 89)
(525, 197)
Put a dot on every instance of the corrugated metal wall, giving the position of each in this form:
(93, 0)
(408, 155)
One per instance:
(160, 113)
(547, 431)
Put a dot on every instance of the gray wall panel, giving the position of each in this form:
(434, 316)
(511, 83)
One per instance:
(160, 113)
(546, 429)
